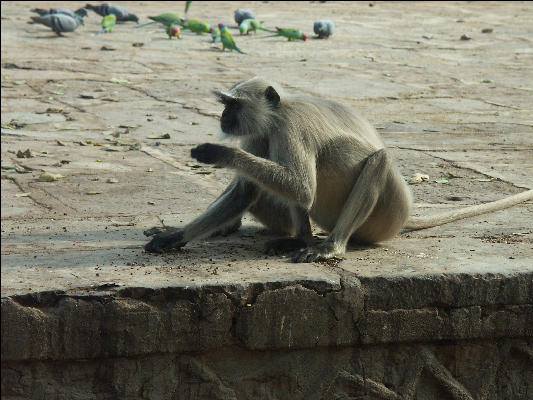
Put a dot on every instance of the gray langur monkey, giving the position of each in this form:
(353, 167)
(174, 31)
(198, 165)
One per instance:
(304, 157)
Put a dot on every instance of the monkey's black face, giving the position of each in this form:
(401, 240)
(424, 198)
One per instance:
(229, 122)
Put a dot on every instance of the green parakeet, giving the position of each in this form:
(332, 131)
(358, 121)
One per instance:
(187, 5)
(108, 22)
(173, 31)
(227, 39)
(291, 34)
(165, 19)
(196, 26)
(252, 25)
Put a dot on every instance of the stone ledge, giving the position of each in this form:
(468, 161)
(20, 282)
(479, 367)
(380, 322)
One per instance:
(264, 316)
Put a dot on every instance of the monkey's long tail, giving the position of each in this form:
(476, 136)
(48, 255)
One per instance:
(415, 223)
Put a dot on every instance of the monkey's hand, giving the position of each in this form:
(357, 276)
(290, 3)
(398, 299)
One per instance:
(209, 153)
(165, 241)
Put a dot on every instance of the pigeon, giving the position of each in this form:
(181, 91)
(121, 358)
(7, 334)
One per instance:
(120, 12)
(81, 12)
(241, 14)
(324, 28)
(59, 22)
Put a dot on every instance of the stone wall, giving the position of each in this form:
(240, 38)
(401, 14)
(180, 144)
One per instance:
(424, 337)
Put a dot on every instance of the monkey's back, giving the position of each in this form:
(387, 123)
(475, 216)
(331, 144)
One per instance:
(322, 120)
(343, 141)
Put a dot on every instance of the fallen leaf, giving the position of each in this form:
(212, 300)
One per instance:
(116, 80)
(418, 178)
(108, 98)
(442, 180)
(111, 148)
(149, 170)
(49, 177)
(450, 175)
(163, 136)
(57, 93)
(88, 96)
(119, 223)
(93, 193)
(23, 194)
(124, 126)
(486, 179)
(54, 110)
(112, 180)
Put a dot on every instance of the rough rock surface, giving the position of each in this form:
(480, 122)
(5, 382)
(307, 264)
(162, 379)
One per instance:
(443, 313)
(452, 337)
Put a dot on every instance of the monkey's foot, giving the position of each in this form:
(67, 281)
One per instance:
(165, 241)
(322, 251)
(283, 245)
(160, 229)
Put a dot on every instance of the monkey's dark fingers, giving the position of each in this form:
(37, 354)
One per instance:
(209, 153)
(323, 251)
(163, 242)
(306, 255)
(283, 245)
(159, 229)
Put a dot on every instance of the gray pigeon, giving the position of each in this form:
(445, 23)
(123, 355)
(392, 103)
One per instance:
(241, 14)
(120, 12)
(324, 28)
(81, 12)
(59, 22)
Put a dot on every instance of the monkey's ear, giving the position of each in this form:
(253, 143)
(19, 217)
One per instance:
(272, 96)
(223, 97)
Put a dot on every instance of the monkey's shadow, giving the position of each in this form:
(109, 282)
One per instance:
(248, 243)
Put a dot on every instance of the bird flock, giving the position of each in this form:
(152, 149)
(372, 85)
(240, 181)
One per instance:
(64, 20)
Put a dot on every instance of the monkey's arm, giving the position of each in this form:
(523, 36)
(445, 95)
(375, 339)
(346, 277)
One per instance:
(295, 181)
(225, 210)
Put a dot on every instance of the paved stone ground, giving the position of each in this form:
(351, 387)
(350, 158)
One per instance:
(443, 105)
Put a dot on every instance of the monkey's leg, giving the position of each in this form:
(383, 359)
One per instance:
(228, 230)
(304, 236)
(224, 211)
(370, 185)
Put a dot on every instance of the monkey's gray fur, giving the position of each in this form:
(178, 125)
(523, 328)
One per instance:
(304, 157)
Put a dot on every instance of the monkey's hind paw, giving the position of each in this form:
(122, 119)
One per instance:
(283, 245)
(159, 229)
(321, 252)
(165, 241)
